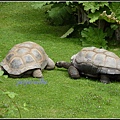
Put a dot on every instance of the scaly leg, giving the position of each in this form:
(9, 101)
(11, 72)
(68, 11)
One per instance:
(73, 72)
(37, 73)
(105, 79)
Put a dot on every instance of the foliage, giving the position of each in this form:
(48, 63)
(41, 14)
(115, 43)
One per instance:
(93, 6)
(9, 107)
(93, 37)
(58, 13)
(95, 14)
(62, 97)
(68, 32)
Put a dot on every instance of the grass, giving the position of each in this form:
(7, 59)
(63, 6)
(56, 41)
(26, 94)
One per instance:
(60, 97)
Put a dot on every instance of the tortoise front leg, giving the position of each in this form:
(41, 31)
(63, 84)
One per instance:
(105, 79)
(73, 72)
(37, 73)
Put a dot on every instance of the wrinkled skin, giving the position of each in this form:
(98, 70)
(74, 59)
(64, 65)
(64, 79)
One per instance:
(93, 62)
(75, 74)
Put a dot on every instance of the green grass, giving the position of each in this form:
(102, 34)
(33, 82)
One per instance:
(61, 97)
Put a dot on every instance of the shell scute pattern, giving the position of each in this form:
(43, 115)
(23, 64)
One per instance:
(99, 60)
(23, 57)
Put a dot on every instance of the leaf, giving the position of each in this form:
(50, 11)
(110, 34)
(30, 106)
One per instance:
(5, 76)
(94, 16)
(1, 81)
(39, 5)
(67, 33)
(1, 72)
(93, 6)
(113, 26)
(115, 7)
(59, 13)
(24, 107)
(24, 104)
(93, 37)
(10, 94)
(55, 15)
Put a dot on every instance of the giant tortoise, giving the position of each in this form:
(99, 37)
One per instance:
(93, 62)
(26, 59)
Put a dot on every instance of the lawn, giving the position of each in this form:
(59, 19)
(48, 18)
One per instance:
(57, 96)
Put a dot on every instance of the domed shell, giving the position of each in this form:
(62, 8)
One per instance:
(94, 60)
(24, 56)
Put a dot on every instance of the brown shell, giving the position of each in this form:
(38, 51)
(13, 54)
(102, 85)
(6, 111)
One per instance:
(93, 60)
(24, 56)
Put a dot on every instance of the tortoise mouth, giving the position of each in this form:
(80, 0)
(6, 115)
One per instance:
(58, 64)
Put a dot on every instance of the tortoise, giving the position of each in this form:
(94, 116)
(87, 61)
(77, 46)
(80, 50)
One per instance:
(26, 59)
(93, 62)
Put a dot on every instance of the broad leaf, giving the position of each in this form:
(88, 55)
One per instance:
(93, 6)
(5, 76)
(93, 37)
(94, 16)
(10, 94)
(67, 33)
(39, 4)
(1, 72)
(115, 7)
(1, 81)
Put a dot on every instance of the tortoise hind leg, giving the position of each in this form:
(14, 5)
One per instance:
(50, 64)
(104, 79)
(37, 73)
(73, 72)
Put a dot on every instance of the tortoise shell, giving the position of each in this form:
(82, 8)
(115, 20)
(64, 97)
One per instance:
(24, 56)
(92, 61)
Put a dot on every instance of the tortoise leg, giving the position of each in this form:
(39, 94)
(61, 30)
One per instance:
(37, 73)
(73, 72)
(63, 64)
(105, 79)
(50, 65)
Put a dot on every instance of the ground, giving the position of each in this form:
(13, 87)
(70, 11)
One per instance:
(56, 95)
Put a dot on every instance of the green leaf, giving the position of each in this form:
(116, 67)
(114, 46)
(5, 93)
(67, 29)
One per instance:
(25, 108)
(93, 6)
(1, 81)
(94, 16)
(59, 13)
(10, 94)
(93, 37)
(5, 76)
(113, 26)
(1, 72)
(39, 4)
(115, 7)
(67, 33)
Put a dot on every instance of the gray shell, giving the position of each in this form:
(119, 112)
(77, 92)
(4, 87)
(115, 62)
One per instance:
(24, 56)
(92, 61)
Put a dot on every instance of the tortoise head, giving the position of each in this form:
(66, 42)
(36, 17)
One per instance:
(63, 64)
(59, 64)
